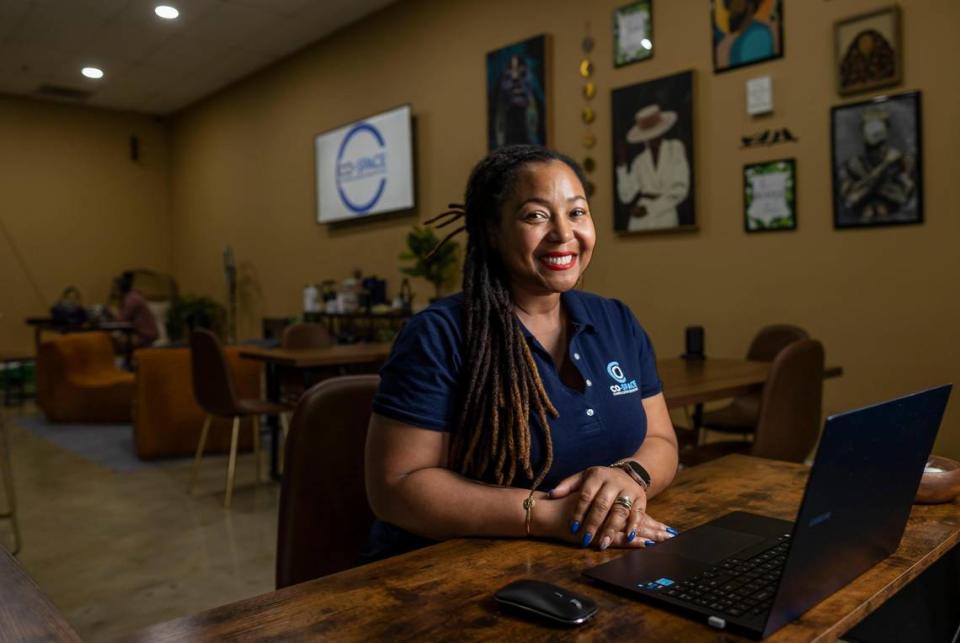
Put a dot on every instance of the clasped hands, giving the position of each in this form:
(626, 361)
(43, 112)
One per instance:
(582, 508)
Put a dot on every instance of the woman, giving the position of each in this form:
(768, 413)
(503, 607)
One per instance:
(520, 384)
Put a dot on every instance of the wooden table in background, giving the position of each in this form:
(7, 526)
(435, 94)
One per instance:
(307, 358)
(446, 591)
(25, 613)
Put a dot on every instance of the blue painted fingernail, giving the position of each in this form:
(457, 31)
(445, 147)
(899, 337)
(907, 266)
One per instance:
(649, 543)
(631, 536)
(587, 537)
(575, 527)
(672, 531)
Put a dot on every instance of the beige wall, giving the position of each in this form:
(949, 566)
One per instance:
(74, 206)
(884, 301)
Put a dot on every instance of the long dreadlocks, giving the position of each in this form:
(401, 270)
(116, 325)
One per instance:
(502, 386)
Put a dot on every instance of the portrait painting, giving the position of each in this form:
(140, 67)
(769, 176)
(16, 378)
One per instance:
(653, 179)
(877, 174)
(770, 196)
(516, 94)
(745, 32)
(868, 51)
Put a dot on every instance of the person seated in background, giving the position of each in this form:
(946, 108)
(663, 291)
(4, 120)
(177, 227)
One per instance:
(134, 309)
(521, 406)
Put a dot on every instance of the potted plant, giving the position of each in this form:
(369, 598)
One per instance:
(440, 269)
(191, 311)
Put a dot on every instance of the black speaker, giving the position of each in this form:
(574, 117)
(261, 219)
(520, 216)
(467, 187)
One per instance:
(695, 343)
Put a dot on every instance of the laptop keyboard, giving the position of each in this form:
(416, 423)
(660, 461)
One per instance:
(735, 587)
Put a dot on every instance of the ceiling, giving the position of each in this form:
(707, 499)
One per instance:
(152, 65)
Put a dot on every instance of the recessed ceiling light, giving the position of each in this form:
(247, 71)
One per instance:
(92, 72)
(166, 12)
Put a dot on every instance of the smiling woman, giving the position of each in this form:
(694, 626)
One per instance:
(495, 395)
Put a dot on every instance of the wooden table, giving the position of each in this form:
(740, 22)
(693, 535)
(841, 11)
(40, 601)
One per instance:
(445, 592)
(25, 613)
(689, 382)
(307, 358)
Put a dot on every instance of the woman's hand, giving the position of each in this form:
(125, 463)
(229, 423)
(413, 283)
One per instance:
(597, 517)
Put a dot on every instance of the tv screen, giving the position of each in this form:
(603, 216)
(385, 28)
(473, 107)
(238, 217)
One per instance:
(366, 167)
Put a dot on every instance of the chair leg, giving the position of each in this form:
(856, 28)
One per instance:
(199, 456)
(7, 471)
(285, 425)
(232, 464)
(256, 445)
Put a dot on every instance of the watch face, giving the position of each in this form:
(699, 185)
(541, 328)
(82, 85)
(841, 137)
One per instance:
(640, 471)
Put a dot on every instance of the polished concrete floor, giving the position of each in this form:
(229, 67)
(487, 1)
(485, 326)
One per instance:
(119, 551)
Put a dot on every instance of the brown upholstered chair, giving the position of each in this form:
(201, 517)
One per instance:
(167, 420)
(77, 380)
(215, 392)
(789, 415)
(324, 513)
(306, 335)
(742, 414)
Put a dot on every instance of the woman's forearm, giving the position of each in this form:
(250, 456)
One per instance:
(438, 503)
(658, 455)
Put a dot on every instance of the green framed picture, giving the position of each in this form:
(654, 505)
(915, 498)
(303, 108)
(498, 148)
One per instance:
(633, 33)
(770, 196)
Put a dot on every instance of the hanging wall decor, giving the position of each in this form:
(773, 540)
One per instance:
(633, 33)
(653, 181)
(770, 196)
(745, 32)
(516, 94)
(877, 146)
(868, 51)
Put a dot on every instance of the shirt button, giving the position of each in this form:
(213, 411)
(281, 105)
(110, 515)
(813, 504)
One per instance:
(590, 412)
(589, 383)
(576, 356)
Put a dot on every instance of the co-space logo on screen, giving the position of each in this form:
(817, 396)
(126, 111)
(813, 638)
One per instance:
(361, 168)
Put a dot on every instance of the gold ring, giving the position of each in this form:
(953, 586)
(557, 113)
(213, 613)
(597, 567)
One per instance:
(624, 501)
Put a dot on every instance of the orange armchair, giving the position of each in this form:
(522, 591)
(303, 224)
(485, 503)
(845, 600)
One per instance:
(77, 380)
(167, 419)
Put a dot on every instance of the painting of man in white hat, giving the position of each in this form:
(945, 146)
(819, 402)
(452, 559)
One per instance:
(653, 176)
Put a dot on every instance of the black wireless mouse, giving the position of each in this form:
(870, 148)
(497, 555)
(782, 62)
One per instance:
(556, 604)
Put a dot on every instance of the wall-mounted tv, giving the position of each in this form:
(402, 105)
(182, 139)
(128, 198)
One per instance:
(366, 167)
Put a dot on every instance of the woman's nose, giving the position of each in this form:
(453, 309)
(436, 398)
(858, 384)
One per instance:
(561, 231)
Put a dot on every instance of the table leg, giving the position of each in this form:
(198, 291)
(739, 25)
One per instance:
(273, 394)
(698, 422)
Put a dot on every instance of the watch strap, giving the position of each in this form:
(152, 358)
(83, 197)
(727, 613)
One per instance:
(635, 470)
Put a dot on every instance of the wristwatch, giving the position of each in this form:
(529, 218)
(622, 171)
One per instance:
(635, 470)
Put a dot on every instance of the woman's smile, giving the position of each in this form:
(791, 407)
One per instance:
(559, 260)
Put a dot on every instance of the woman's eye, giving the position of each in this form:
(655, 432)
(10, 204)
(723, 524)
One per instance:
(579, 212)
(536, 215)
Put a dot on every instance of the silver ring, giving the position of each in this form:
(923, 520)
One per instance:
(624, 501)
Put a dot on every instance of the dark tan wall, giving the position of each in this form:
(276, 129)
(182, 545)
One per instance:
(884, 301)
(75, 207)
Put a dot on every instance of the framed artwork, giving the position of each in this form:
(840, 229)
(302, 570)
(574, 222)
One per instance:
(653, 154)
(877, 147)
(770, 196)
(745, 32)
(633, 33)
(868, 51)
(516, 94)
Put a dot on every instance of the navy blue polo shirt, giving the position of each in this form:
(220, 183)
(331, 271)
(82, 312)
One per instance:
(603, 423)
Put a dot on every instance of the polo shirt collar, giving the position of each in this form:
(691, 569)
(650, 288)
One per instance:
(576, 310)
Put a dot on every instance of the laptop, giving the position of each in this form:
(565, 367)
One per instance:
(751, 574)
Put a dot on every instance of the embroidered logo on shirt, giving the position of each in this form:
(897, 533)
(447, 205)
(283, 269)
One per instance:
(622, 386)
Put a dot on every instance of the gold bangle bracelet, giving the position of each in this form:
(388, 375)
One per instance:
(528, 508)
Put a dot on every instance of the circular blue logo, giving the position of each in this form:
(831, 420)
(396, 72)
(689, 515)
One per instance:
(614, 370)
(361, 168)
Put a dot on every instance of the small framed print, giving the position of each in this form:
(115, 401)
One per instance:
(877, 147)
(770, 196)
(745, 32)
(868, 51)
(633, 33)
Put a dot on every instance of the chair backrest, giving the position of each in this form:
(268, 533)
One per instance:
(791, 403)
(324, 514)
(212, 380)
(772, 339)
(306, 335)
